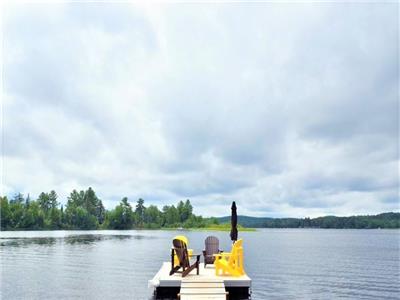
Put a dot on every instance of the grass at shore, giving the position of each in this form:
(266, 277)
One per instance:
(215, 227)
(222, 229)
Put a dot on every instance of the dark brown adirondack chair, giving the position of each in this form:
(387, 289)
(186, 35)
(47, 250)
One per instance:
(211, 248)
(180, 249)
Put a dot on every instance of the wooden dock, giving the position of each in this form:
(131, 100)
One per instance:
(202, 289)
(204, 286)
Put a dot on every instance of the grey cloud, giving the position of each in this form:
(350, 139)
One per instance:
(287, 109)
(343, 182)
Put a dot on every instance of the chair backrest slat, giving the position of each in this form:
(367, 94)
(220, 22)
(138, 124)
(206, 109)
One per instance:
(212, 245)
(180, 248)
(237, 254)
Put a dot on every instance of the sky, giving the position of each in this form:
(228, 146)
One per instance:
(291, 110)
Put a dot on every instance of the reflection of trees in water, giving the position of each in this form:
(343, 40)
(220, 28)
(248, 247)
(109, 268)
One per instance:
(70, 239)
(81, 239)
(91, 238)
(20, 242)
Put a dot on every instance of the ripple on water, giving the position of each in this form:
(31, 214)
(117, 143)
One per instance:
(284, 264)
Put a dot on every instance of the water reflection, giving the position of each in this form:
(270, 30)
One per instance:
(283, 264)
(92, 238)
(21, 242)
(69, 239)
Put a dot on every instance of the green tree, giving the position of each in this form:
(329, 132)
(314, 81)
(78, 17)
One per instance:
(27, 201)
(153, 217)
(187, 210)
(94, 205)
(63, 219)
(121, 217)
(80, 218)
(52, 198)
(212, 221)
(17, 213)
(55, 221)
(181, 207)
(76, 198)
(27, 220)
(139, 212)
(18, 198)
(5, 213)
(37, 214)
(100, 212)
(83, 204)
(171, 216)
(194, 222)
(44, 202)
(80, 210)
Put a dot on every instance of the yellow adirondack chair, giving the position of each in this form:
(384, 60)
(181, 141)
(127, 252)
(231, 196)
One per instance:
(230, 263)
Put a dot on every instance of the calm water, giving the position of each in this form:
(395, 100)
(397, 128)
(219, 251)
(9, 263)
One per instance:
(283, 263)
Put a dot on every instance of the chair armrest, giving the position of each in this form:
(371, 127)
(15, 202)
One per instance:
(197, 257)
(223, 254)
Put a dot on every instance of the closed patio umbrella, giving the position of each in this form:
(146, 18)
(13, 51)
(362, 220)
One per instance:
(234, 231)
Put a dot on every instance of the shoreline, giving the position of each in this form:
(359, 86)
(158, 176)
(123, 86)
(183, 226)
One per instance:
(197, 229)
(139, 229)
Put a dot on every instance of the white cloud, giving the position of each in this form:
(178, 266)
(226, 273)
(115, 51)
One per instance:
(290, 110)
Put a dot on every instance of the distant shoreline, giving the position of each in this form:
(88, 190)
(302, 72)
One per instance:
(388, 220)
(196, 229)
(85, 211)
(139, 229)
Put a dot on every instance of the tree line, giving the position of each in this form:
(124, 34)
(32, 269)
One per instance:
(383, 220)
(84, 210)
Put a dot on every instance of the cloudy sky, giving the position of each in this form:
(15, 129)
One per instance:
(288, 109)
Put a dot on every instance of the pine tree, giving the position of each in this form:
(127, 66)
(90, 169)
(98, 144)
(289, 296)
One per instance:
(139, 212)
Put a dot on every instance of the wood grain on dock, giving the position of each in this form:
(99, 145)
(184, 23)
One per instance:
(202, 289)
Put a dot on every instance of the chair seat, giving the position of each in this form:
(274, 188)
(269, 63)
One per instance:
(224, 264)
(230, 262)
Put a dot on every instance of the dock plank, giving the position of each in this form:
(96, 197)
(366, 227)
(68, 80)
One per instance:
(201, 297)
(202, 289)
(202, 284)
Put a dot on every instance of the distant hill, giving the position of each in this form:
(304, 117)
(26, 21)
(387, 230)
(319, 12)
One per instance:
(246, 221)
(384, 220)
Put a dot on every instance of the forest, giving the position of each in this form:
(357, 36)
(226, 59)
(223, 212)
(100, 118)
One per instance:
(84, 210)
(383, 220)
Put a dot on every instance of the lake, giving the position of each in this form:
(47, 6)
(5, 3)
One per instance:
(283, 263)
